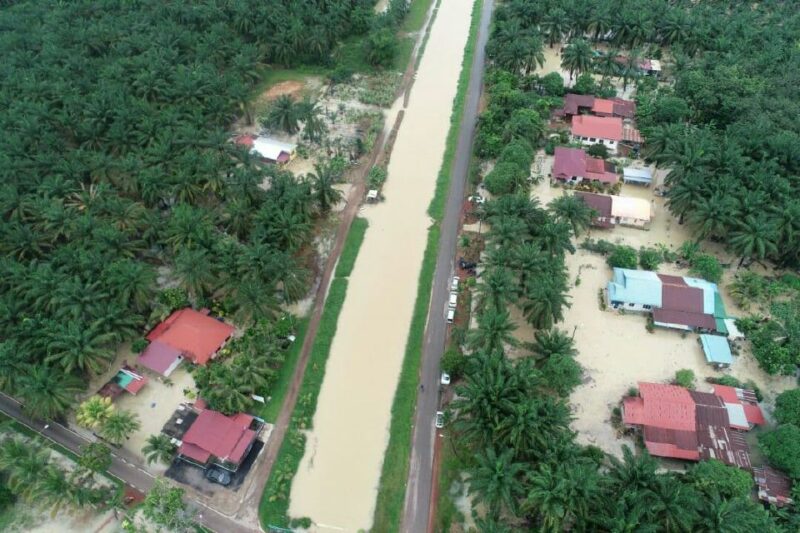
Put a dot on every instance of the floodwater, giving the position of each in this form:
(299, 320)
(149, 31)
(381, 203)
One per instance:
(336, 484)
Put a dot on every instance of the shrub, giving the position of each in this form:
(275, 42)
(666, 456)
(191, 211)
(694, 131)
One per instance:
(707, 267)
(650, 258)
(139, 345)
(622, 257)
(782, 448)
(503, 179)
(380, 48)
(787, 407)
(453, 363)
(585, 84)
(376, 177)
(715, 476)
(598, 150)
(552, 84)
(633, 391)
(685, 378)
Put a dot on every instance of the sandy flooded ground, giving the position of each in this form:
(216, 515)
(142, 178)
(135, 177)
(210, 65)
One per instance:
(616, 351)
(154, 405)
(337, 481)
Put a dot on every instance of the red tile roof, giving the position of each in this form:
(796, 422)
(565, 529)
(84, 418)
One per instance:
(244, 140)
(695, 320)
(667, 406)
(682, 298)
(214, 434)
(197, 335)
(569, 162)
(601, 105)
(597, 127)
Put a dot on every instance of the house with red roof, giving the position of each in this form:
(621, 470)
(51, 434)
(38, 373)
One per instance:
(573, 165)
(578, 104)
(610, 131)
(185, 334)
(206, 437)
(683, 424)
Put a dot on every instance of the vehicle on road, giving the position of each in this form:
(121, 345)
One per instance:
(439, 421)
(451, 315)
(454, 283)
(445, 380)
(217, 475)
(453, 302)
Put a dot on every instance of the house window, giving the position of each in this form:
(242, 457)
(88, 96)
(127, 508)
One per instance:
(631, 305)
(601, 141)
(647, 307)
(592, 139)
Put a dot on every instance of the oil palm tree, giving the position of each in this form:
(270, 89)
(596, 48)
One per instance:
(24, 462)
(119, 426)
(47, 392)
(577, 57)
(283, 115)
(673, 505)
(606, 64)
(311, 115)
(322, 182)
(754, 238)
(555, 25)
(159, 448)
(632, 472)
(496, 479)
(94, 412)
(544, 302)
(493, 332)
(562, 495)
(80, 347)
(555, 238)
(496, 289)
(724, 515)
(553, 341)
(711, 216)
(572, 210)
(195, 269)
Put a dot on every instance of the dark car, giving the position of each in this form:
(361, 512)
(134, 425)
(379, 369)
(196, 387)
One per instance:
(217, 475)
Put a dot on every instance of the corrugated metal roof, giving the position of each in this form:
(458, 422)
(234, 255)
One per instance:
(597, 127)
(195, 334)
(694, 320)
(628, 207)
(682, 298)
(716, 349)
(635, 286)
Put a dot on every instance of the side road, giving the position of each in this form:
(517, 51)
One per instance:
(123, 466)
(420, 477)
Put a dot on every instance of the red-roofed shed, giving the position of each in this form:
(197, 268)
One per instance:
(196, 335)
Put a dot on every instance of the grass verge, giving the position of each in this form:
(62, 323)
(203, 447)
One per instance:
(272, 407)
(274, 506)
(447, 513)
(391, 491)
(417, 13)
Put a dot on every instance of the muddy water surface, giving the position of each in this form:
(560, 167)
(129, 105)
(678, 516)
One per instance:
(337, 481)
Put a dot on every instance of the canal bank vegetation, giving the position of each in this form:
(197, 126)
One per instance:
(510, 423)
(275, 499)
(394, 472)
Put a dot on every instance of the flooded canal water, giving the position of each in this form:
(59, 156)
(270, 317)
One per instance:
(336, 484)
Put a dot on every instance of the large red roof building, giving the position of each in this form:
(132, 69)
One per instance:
(574, 165)
(215, 437)
(683, 424)
(185, 334)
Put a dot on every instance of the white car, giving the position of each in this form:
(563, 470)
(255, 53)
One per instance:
(451, 315)
(439, 422)
(454, 283)
(445, 379)
(453, 302)
(477, 199)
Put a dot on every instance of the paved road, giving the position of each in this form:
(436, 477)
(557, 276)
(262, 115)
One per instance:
(123, 466)
(416, 514)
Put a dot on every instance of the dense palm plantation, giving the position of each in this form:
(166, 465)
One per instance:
(510, 417)
(116, 174)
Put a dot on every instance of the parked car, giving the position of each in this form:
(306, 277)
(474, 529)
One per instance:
(477, 199)
(451, 315)
(439, 422)
(467, 265)
(454, 283)
(445, 380)
(453, 302)
(217, 475)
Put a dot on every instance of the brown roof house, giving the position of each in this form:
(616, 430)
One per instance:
(573, 165)
(618, 210)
